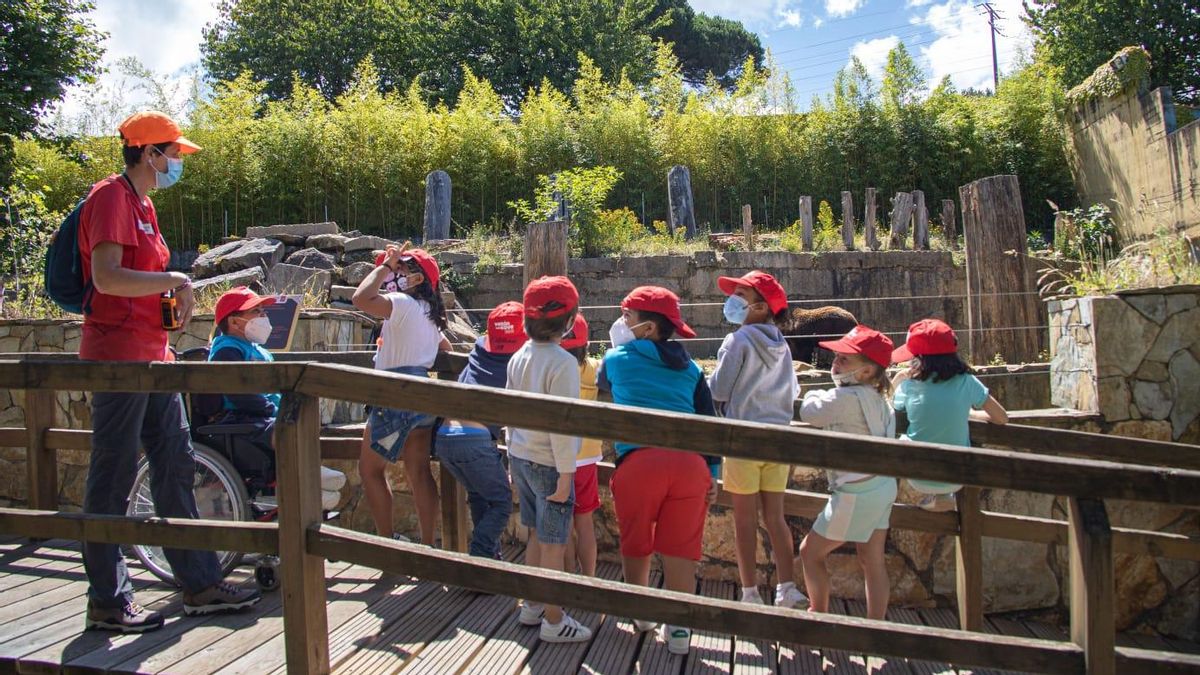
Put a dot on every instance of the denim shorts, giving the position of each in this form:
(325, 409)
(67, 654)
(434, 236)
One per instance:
(534, 482)
(390, 427)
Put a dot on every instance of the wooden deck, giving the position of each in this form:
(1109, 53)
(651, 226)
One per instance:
(383, 624)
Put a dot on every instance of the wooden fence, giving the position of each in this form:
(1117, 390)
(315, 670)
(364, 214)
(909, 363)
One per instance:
(1124, 469)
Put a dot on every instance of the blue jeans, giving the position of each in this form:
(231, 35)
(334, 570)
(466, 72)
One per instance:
(390, 427)
(535, 482)
(475, 462)
(120, 422)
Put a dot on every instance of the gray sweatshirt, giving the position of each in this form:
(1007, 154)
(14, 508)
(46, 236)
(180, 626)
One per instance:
(754, 379)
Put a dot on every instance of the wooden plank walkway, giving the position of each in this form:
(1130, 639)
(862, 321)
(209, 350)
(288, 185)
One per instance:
(385, 624)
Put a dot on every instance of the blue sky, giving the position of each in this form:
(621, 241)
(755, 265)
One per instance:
(811, 39)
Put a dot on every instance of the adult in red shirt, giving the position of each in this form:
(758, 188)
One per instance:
(125, 257)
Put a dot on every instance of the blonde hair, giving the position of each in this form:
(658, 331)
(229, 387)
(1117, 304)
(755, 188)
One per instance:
(880, 380)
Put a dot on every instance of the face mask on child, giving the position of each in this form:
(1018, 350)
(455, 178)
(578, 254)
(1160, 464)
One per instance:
(621, 333)
(844, 379)
(736, 309)
(258, 330)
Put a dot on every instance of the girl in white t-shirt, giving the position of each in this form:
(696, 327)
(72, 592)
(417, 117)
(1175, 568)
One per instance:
(403, 291)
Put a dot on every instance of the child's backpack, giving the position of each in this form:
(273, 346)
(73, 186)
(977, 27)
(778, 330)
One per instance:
(63, 271)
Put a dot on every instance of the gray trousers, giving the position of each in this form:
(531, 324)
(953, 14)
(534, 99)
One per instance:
(120, 423)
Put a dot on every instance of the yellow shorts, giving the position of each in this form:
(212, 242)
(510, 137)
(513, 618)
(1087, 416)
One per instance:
(747, 477)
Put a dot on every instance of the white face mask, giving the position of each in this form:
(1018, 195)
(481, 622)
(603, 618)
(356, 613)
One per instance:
(258, 330)
(621, 333)
(844, 379)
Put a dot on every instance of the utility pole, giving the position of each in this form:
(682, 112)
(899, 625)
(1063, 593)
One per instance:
(993, 14)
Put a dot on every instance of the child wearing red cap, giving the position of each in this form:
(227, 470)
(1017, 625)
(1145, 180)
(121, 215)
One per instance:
(939, 394)
(754, 381)
(860, 505)
(581, 549)
(468, 450)
(543, 463)
(414, 317)
(661, 495)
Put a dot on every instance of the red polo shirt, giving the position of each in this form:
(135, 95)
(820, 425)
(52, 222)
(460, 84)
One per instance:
(123, 329)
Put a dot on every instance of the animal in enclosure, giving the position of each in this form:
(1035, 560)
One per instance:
(806, 327)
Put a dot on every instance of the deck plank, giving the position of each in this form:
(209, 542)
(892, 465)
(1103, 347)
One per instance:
(711, 652)
(753, 657)
(566, 658)
(369, 625)
(840, 661)
(408, 634)
(615, 643)
(918, 667)
(653, 655)
(459, 641)
(888, 665)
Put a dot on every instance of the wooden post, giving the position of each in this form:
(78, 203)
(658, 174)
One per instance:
(1000, 293)
(562, 210)
(455, 529)
(869, 233)
(1089, 540)
(41, 462)
(298, 440)
(848, 220)
(902, 208)
(968, 555)
(545, 250)
(921, 218)
(748, 226)
(437, 205)
(681, 211)
(949, 228)
(806, 221)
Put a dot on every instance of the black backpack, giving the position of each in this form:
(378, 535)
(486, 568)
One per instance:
(63, 271)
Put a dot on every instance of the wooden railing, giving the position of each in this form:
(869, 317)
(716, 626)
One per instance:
(303, 541)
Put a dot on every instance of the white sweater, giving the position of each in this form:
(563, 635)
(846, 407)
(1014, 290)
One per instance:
(851, 410)
(544, 368)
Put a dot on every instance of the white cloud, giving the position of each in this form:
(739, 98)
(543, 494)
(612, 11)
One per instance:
(873, 54)
(791, 19)
(756, 14)
(917, 3)
(818, 22)
(963, 47)
(843, 7)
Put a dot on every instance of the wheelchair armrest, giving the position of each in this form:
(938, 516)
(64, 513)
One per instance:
(227, 429)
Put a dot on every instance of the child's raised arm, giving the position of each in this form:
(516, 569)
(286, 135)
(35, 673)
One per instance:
(992, 412)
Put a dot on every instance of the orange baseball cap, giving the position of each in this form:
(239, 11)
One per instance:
(150, 127)
(239, 299)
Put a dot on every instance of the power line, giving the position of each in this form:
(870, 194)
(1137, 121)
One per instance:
(993, 14)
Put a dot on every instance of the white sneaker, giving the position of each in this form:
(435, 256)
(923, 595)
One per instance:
(531, 613)
(678, 638)
(939, 503)
(752, 596)
(644, 626)
(790, 597)
(567, 630)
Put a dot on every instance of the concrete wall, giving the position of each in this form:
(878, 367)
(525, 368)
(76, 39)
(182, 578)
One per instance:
(1129, 155)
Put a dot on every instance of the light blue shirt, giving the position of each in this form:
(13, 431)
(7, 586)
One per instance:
(938, 411)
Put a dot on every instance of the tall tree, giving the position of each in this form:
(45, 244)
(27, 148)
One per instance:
(1080, 35)
(706, 44)
(45, 45)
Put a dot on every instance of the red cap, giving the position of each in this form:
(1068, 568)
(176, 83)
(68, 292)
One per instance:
(927, 337)
(660, 300)
(866, 341)
(764, 284)
(579, 333)
(505, 328)
(380, 257)
(428, 265)
(151, 127)
(548, 297)
(239, 299)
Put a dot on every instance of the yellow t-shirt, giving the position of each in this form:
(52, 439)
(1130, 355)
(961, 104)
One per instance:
(589, 451)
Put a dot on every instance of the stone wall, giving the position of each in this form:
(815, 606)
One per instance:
(1133, 357)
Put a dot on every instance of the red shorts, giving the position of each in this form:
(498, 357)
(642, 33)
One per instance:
(659, 496)
(587, 489)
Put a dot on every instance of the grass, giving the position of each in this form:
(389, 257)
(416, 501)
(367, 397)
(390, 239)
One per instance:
(1166, 259)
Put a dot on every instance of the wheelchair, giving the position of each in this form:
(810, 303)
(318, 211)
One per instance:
(235, 480)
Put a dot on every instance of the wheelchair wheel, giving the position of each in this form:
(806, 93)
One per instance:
(220, 495)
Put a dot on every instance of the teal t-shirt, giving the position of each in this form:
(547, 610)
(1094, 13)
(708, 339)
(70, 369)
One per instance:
(938, 411)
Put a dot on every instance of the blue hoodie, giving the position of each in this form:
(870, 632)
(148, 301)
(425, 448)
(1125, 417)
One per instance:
(658, 375)
(488, 369)
(229, 348)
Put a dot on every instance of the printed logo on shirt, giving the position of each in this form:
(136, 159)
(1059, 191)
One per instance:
(146, 228)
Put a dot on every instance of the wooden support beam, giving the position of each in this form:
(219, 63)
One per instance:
(848, 220)
(297, 440)
(949, 227)
(902, 209)
(1068, 443)
(41, 461)
(806, 223)
(205, 535)
(1092, 586)
(63, 374)
(968, 557)
(748, 226)
(870, 232)
(545, 250)
(920, 222)
(456, 528)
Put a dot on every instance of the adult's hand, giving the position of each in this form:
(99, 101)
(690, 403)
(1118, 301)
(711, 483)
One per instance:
(185, 303)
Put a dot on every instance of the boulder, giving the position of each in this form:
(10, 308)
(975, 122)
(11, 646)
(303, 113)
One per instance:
(252, 278)
(354, 273)
(288, 279)
(1185, 372)
(366, 243)
(238, 255)
(298, 231)
(328, 242)
(312, 259)
(365, 255)
(342, 294)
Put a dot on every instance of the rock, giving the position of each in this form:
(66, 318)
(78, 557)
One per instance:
(1121, 337)
(1016, 576)
(1149, 430)
(288, 279)
(460, 332)
(1152, 371)
(252, 278)
(1114, 399)
(1178, 302)
(1179, 332)
(1139, 587)
(1153, 399)
(312, 259)
(366, 243)
(1184, 372)
(366, 255)
(238, 255)
(297, 231)
(1179, 616)
(354, 273)
(328, 242)
(846, 579)
(446, 258)
(342, 294)
(1153, 307)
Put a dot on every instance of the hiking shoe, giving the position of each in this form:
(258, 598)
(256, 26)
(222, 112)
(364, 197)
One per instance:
(644, 626)
(220, 597)
(567, 630)
(131, 618)
(938, 503)
(752, 596)
(790, 597)
(531, 613)
(678, 638)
